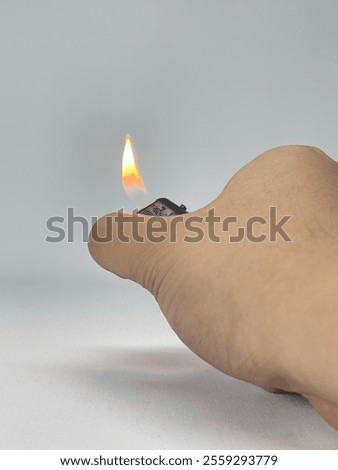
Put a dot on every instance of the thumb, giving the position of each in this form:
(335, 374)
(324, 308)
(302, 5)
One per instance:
(122, 243)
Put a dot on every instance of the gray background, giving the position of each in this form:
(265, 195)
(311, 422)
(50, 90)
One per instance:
(87, 360)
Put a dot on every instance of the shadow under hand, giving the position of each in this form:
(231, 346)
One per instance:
(172, 392)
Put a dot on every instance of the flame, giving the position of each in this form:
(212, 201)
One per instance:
(131, 178)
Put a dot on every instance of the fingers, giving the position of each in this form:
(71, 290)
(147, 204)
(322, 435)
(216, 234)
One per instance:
(120, 243)
(327, 411)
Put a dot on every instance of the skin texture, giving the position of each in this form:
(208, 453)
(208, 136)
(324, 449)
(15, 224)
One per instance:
(267, 312)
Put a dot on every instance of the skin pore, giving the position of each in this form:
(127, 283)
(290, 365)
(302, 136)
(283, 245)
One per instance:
(265, 312)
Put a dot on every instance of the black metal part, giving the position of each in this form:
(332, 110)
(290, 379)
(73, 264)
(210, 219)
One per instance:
(163, 207)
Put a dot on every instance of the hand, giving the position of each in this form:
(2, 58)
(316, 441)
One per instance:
(265, 312)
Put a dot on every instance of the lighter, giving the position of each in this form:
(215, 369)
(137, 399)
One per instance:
(163, 207)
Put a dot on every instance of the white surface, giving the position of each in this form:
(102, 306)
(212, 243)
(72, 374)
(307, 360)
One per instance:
(91, 367)
(203, 87)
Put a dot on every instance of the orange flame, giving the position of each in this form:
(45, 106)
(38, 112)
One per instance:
(131, 178)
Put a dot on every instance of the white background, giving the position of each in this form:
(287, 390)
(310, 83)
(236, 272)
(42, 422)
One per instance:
(87, 360)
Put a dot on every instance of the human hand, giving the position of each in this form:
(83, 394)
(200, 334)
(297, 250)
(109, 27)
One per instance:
(265, 312)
